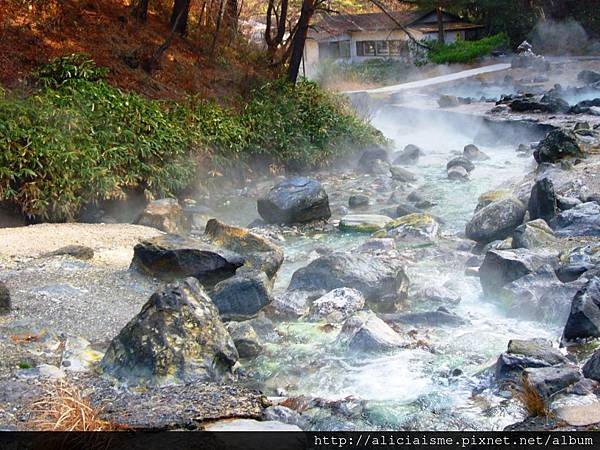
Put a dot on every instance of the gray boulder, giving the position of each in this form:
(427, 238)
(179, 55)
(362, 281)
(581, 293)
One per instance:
(5, 303)
(358, 201)
(588, 76)
(242, 296)
(556, 145)
(534, 234)
(409, 155)
(462, 162)
(294, 200)
(402, 175)
(364, 223)
(365, 332)
(501, 267)
(149, 350)
(472, 153)
(591, 369)
(437, 294)
(584, 318)
(166, 215)
(414, 228)
(496, 221)
(522, 354)
(380, 278)
(440, 318)
(374, 160)
(542, 202)
(246, 340)
(458, 173)
(337, 305)
(552, 380)
(581, 220)
(173, 257)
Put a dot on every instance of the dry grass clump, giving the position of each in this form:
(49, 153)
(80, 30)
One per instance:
(63, 407)
(532, 401)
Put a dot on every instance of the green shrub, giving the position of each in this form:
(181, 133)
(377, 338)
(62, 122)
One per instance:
(77, 66)
(79, 140)
(303, 125)
(466, 51)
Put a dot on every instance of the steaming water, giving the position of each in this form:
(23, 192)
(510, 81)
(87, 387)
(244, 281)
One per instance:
(410, 388)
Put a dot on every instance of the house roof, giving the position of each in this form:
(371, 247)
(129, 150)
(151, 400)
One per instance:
(335, 25)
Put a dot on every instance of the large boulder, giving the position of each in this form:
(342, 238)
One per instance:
(245, 339)
(588, 76)
(458, 173)
(166, 215)
(402, 175)
(374, 160)
(410, 155)
(462, 162)
(496, 221)
(364, 223)
(176, 338)
(171, 257)
(414, 227)
(501, 267)
(578, 261)
(542, 202)
(5, 303)
(522, 354)
(591, 369)
(380, 278)
(581, 220)
(551, 380)
(472, 153)
(242, 296)
(534, 234)
(439, 318)
(584, 318)
(296, 199)
(556, 145)
(490, 197)
(365, 332)
(337, 305)
(259, 253)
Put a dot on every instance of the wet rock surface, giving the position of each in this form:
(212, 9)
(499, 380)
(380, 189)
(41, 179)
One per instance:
(165, 215)
(496, 221)
(365, 332)
(584, 318)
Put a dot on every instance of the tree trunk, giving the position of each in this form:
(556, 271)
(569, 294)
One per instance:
(140, 10)
(440, 23)
(231, 17)
(299, 40)
(273, 42)
(217, 28)
(181, 9)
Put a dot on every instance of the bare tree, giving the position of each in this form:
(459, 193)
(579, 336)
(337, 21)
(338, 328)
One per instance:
(280, 14)
(179, 16)
(299, 38)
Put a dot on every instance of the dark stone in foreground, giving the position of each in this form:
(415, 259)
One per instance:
(295, 200)
(556, 145)
(584, 319)
(530, 353)
(171, 257)
(241, 296)
(591, 369)
(5, 303)
(551, 380)
(542, 202)
(176, 338)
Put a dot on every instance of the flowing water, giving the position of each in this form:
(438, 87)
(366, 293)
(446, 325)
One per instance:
(409, 388)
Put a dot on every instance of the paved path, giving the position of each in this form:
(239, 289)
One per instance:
(436, 80)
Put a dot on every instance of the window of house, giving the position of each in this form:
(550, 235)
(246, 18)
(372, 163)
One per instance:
(365, 48)
(344, 49)
(382, 48)
(334, 50)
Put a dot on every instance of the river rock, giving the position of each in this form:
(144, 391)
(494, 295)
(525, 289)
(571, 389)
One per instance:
(176, 338)
(365, 332)
(166, 215)
(551, 380)
(534, 234)
(588, 76)
(556, 145)
(292, 304)
(337, 305)
(5, 303)
(490, 197)
(501, 267)
(496, 221)
(283, 414)
(472, 153)
(358, 201)
(296, 199)
(259, 253)
(171, 257)
(581, 220)
(584, 318)
(404, 209)
(414, 227)
(374, 160)
(542, 202)
(437, 294)
(578, 261)
(462, 162)
(365, 223)
(565, 203)
(402, 175)
(410, 155)
(242, 296)
(441, 317)
(245, 339)
(458, 173)
(380, 278)
(529, 353)
(76, 251)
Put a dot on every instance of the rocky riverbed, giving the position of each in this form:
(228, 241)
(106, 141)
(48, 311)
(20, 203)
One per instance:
(423, 286)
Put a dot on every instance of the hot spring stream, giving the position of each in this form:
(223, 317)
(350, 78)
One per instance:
(442, 385)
